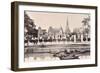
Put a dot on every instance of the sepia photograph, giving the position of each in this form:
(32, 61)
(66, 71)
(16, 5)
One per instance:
(50, 36)
(53, 36)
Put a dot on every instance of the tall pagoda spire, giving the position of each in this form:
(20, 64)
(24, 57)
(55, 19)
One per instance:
(67, 30)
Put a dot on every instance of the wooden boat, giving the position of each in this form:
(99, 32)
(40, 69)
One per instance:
(68, 57)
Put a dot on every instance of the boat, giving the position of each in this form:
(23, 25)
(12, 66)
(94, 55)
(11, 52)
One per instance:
(69, 57)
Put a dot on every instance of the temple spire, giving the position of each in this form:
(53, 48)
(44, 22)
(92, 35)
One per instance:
(67, 30)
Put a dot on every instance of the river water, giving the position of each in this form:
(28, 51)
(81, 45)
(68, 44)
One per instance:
(38, 53)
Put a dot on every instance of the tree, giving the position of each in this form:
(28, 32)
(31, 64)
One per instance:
(86, 25)
(30, 28)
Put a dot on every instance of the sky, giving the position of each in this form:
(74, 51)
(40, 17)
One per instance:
(56, 20)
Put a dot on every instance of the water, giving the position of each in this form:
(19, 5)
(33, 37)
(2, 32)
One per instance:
(38, 53)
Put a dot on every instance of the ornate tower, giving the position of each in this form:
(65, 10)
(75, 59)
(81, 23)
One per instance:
(67, 30)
